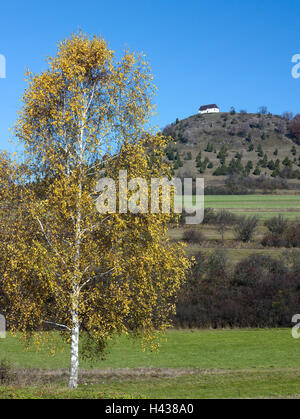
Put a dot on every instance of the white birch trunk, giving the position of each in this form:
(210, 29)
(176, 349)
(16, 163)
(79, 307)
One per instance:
(74, 366)
(74, 352)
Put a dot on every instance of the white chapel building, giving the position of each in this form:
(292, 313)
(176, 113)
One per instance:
(209, 109)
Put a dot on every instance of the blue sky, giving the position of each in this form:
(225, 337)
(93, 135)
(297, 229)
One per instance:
(229, 52)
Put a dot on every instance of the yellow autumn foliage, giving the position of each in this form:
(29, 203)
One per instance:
(67, 265)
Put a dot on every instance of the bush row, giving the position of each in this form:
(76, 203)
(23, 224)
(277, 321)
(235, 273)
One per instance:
(258, 292)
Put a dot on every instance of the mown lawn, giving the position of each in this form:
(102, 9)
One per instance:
(230, 364)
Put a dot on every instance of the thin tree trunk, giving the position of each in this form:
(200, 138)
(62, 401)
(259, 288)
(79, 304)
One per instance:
(74, 367)
(74, 352)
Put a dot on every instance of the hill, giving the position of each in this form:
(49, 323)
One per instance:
(255, 147)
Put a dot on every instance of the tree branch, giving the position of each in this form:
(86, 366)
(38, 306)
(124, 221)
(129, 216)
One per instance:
(49, 241)
(57, 324)
(98, 275)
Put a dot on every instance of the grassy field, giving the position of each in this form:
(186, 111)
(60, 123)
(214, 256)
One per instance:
(264, 206)
(190, 364)
(235, 250)
(214, 385)
(225, 349)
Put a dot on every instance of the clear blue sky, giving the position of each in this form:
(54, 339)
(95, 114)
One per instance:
(229, 52)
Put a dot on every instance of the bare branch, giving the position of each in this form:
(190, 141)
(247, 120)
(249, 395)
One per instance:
(57, 325)
(98, 275)
(49, 241)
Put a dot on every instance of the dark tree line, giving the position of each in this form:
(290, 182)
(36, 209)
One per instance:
(258, 292)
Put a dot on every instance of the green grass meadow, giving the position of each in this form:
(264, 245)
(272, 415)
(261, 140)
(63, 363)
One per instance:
(212, 364)
(204, 349)
(263, 206)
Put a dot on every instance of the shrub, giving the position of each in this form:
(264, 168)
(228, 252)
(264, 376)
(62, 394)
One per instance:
(221, 171)
(217, 265)
(276, 225)
(288, 237)
(223, 220)
(273, 240)
(253, 269)
(289, 173)
(209, 148)
(257, 171)
(245, 228)
(292, 258)
(193, 236)
(6, 372)
(209, 216)
(292, 235)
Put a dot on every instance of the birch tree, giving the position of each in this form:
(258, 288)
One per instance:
(70, 267)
